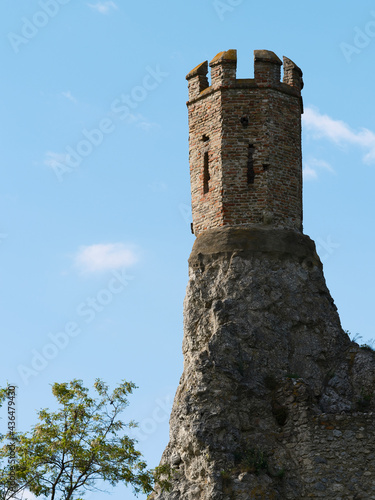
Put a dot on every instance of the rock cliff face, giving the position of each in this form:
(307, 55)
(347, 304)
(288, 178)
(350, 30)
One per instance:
(275, 401)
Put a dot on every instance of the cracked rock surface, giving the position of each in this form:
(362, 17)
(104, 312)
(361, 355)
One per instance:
(275, 401)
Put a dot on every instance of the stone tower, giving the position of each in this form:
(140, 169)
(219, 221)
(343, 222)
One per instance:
(245, 144)
(275, 401)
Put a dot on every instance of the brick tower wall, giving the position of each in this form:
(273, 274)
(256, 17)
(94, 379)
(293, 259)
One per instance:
(245, 144)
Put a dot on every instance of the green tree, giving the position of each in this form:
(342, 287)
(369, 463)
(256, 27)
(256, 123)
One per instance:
(70, 450)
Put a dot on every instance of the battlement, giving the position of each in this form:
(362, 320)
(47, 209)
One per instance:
(245, 144)
(267, 73)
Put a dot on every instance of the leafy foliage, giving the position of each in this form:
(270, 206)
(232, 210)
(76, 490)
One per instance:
(369, 346)
(251, 460)
(71, 449)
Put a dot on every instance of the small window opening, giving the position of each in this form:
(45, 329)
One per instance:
(206, 174)
(244, 121)
(250, 165)
(266, 166)
(205, 138)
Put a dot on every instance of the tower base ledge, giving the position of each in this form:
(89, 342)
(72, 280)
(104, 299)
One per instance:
(282, 243)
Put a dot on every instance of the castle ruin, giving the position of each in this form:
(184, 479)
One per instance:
(275, 401)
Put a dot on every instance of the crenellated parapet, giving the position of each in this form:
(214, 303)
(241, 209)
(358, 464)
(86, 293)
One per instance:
(267, 73)
(266, 68)
(197, 80)
(292, 74)
(223, 69)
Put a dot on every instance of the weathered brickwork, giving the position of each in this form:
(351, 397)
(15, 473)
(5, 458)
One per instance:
(251, 131)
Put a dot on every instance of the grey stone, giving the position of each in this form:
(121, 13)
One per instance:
(267, 370)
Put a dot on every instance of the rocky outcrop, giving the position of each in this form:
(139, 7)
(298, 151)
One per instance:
(275, 401)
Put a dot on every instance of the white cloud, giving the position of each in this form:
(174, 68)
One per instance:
(309, 173)
(338, 132)
(105, 257)
(103, 7)
(311, 167)
(68, 95)
(27, 495)
(141, 122)
(136, 120)
(158, 186)
(52, 159)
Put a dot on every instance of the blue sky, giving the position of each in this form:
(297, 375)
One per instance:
(94, 253)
